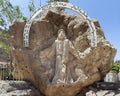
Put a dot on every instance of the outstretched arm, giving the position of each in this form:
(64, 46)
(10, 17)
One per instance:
(85, 53)
(78, 54)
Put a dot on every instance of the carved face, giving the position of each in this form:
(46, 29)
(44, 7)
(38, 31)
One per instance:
(61, 34)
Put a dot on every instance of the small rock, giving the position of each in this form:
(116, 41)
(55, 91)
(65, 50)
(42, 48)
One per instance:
(101, 93)
(17, 88)
(91, 93)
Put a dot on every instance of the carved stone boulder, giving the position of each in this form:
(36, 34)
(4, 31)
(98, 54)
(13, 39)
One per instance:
(60, 63)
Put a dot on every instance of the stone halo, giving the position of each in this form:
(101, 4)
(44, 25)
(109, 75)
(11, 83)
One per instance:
(61, 5)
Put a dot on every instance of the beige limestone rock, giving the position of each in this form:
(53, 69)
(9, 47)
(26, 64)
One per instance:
(111, 77)
(32, 63)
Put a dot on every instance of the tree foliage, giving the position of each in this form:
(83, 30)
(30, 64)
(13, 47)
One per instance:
(31, 6)
(9, 13)
(116, 66)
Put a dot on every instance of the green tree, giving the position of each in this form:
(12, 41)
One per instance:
(31, 6)
(9, 13)
(116, 66)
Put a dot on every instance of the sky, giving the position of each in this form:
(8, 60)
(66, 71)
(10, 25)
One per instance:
(107, 12)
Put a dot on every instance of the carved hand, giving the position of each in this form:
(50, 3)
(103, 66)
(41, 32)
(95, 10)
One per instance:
(64, 62)
(85, 53)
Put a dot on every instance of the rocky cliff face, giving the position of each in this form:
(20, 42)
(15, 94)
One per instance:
(36, 65)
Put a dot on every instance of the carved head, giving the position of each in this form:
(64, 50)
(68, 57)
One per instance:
(61, 34)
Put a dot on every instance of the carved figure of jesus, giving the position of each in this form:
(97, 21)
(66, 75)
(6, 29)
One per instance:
(62, 49)
(62, 70)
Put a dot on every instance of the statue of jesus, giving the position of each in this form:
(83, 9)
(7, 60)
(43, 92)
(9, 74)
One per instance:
(62, 49)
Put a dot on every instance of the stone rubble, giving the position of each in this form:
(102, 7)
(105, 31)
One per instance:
(17, 88)
(103, 93)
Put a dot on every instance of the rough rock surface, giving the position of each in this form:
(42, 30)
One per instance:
(111, 77)
(32, 63)
(17, 88)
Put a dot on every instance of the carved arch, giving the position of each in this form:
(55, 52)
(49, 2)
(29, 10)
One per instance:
(62, 5)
